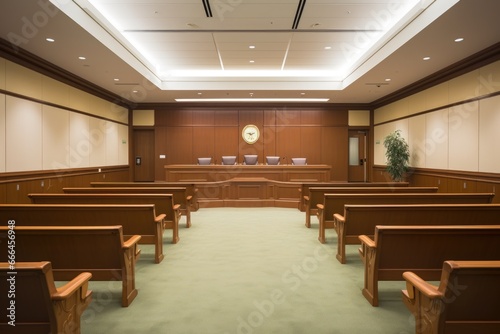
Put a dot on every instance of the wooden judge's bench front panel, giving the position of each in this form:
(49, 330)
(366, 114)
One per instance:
(248, 186)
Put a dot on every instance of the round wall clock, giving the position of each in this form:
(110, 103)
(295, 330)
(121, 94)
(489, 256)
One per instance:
(250, 133)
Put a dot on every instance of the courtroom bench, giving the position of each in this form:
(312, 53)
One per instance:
(100, 250)
(305, 186)
(465, 301)
(422, 249)
(136, 219)
(163, 204)
(334, 203)
(40, 307)
(317, 194)
(362, 219)
(180, 195)
(191, 189)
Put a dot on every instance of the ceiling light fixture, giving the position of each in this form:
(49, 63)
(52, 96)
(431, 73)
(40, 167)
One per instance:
(426, 58)
(82, 58)
(48, 39)
(255, 100)
(459, 39)
(251, 47)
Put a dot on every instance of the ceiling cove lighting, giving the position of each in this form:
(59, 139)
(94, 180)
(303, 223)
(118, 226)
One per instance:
(255, 100)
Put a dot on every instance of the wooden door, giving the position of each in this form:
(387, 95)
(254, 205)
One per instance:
(357, 156)
(144, 155)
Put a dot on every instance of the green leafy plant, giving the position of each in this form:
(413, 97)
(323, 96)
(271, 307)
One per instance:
(397, 154)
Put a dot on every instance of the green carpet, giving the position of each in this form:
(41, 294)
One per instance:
(243, 271)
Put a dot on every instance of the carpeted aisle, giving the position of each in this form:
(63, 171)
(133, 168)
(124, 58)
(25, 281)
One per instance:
(255, 270)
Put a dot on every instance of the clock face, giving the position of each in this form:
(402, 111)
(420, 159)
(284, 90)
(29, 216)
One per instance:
(250, 133)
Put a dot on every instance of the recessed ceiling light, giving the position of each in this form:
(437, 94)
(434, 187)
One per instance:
(388, 79)
(48, 39)
(200, 93)
(116, 79)
(459, 39)
(252, 61)
(426, 58)
(82, 58)
(328, 47)
(251, 46)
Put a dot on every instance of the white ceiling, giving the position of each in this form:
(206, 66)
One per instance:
(161, 50)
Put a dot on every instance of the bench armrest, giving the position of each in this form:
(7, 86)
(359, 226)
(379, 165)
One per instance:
(338, 218)
(189, 198)
(414, 282)
(306, 198)
(79, 282)
(160, 218)
(320, 206)
(132, 241)
(177, 207)
(366, 241)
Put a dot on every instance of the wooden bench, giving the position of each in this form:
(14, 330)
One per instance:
(136, 219)
(466, 300)
(362, 219)
(40, 307)
(100, 250)
(179, 194)
(422, 249)
(334, 203)
(317, 194)
(164, 204)
(305, 186)
(190, 198)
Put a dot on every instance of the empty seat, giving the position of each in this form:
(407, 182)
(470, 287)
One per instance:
(204, 161)
(250, 159)
(272, 160)
(229, 160)
(299, 161)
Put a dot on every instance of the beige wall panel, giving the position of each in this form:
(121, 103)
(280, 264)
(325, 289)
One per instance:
(2, 73)
(489, 79)
(23, 81)
(79, 100)
(436, 139)
(359, 117)
(416, 140)
(55, 91)
(2, 133)
(392, 111)
(98, 106)
(437, 96)
(112, 144)
(489, 135)
(143, 117)
(464, 137)
(23, 135)
(464, 87)
(98, 137)
(417, 103)
(380, 132)
(55, 129)
(79, 144)
(123, 146)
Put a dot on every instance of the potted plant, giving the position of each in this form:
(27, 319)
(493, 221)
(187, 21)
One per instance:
(397, 154)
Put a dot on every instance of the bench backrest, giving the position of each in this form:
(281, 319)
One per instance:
(471, 295)
(164, 203)
(304, 188)
(136, 219)
(362, 219)
(98, 249)
(191, 188)
(334, 203)
(179, 193)
(34, 285)
(423, 249)
(316, 194)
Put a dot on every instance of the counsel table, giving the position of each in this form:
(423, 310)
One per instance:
(215, 173)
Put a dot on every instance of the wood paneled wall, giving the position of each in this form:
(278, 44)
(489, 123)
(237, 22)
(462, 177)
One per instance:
(320, 134)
